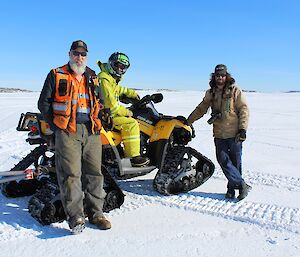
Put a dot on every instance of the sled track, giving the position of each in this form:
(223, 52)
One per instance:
(273, 180)
(260, 214)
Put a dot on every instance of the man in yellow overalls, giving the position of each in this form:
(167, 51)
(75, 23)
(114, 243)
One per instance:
(110, 76)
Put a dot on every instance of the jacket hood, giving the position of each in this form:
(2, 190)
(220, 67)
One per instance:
(102, 66)
(104, 72)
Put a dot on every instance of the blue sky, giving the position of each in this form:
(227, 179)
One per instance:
(171, 44)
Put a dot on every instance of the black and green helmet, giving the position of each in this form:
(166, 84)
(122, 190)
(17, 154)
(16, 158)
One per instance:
(118, 63)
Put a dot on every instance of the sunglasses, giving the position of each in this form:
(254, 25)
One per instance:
(76, 53)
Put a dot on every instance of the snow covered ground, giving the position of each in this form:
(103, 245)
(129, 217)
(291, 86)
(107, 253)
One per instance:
(200, 223)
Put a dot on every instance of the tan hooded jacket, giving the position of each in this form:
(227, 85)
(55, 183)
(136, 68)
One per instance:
(233, 107)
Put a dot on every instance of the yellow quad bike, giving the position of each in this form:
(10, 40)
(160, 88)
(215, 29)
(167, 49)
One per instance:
(164, 141)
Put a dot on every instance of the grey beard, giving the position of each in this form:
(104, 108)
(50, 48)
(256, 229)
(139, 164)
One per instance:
(77, 69)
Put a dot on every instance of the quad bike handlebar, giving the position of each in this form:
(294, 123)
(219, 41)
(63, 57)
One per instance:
(155, 98)
(135, 103)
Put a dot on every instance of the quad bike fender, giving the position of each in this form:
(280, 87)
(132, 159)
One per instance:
(145, 127)
(164, 128)
(112, 138)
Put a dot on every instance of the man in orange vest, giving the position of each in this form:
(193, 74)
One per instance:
(69, 102)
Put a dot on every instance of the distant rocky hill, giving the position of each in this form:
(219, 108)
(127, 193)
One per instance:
(13, 90)
(249, 91)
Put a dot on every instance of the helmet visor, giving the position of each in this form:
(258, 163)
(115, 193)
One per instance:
(119, 68)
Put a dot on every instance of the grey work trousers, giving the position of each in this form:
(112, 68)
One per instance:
(78, 166)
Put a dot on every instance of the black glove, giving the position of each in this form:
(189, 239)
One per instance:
(106, 119)
(241, 136)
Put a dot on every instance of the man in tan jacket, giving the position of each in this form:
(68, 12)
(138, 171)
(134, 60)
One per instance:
(230, 121)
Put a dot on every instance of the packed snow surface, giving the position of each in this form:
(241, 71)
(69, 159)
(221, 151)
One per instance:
(200, 223)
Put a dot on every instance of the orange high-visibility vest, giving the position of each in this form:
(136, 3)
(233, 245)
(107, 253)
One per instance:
(65, 102)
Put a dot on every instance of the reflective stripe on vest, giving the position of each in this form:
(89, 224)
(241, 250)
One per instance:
(59, 107)
(83, 110)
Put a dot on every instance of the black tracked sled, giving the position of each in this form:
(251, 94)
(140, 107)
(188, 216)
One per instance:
(35, 175)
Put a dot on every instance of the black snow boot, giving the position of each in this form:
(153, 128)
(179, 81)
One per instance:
(139, 161)
(245, 189)
(230, 194)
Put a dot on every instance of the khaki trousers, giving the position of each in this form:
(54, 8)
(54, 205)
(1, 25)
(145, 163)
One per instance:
(78, 166)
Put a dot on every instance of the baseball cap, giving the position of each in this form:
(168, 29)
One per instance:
(78, 43)
(221, 69)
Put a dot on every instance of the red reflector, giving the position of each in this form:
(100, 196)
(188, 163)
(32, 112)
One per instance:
(34, 129)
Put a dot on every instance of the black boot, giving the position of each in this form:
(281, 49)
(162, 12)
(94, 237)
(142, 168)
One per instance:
(139, 161)
(77, 225)
(245, 189)
(230, 194)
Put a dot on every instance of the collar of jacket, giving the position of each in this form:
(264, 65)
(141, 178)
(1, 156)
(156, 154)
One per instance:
(100, 65)
(226, 91)
(103, 68)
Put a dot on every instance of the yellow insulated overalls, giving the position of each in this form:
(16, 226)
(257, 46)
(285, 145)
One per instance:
(128, 126)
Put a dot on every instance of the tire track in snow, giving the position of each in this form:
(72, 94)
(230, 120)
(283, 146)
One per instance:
(273, 180)
(261, 214)
(277, 145)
